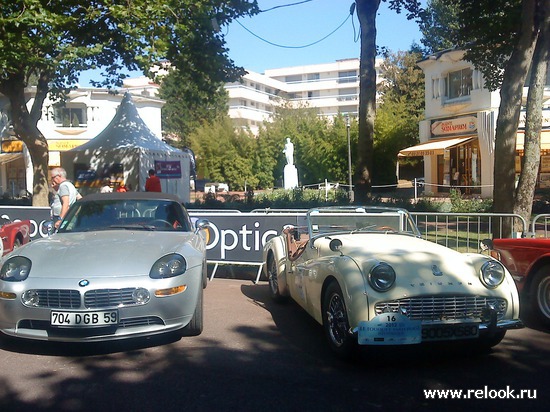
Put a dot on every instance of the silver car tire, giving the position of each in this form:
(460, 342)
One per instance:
(336, 323)
(195, 325)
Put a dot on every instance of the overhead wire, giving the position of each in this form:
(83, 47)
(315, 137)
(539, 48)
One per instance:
(286, 5)
(352, 9)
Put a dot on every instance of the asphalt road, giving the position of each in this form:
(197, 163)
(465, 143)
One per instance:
(255, 355)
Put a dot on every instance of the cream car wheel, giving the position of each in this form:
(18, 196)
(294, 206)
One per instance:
(273, 279)
(335, 322)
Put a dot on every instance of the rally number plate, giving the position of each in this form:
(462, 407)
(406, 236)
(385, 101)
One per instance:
(83, 319)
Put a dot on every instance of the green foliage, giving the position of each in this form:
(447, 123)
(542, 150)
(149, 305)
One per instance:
(188, 106)
(437, 23)
(459, 204)
(320, 147)
(401, 108)
(224, 155)
(51, 42)
(489, 29)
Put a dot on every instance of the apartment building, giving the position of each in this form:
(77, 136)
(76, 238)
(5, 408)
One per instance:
(330, 88)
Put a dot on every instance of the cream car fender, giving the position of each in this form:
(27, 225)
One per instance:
(276, 248)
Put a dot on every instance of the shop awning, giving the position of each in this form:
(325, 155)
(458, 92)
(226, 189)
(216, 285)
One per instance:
(9, 157)
(544, 140)
(433, 148)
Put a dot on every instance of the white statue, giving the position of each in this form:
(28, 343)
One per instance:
(289, 151)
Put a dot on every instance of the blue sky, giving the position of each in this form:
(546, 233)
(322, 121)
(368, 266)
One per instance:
(303, 24)
(307, 23)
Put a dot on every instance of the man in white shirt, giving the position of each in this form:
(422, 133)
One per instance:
(66, 191)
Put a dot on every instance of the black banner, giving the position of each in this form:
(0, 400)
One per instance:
(37, 216)
(234, 237)
(240, 237)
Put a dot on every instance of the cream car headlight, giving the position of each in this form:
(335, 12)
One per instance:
(168, 266)
(15, 269)
(492, 274)
(382, 277)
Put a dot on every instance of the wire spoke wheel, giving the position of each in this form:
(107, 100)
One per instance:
(336, 323)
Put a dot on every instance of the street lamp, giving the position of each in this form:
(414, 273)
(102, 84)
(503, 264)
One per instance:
(351, 196)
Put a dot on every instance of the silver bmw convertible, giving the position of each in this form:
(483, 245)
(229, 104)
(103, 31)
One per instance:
(121, 265)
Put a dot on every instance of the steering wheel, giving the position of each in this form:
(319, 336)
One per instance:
(386, 228)
(161, 223)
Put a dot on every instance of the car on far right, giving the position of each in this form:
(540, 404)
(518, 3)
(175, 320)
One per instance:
(528, 261)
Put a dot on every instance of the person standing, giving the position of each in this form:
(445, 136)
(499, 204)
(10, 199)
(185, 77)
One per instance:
(106, 188)
(152, 184)
(66, 191)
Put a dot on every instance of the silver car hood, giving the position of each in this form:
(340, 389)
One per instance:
(106, 253)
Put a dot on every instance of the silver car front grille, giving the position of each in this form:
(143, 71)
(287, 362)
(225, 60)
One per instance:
(72, 299)
(109, 298)
(443, 307)
(57, 298)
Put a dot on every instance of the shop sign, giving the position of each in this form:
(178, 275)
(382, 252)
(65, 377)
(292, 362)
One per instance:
(168, 168)
(457, 126)
(62, 145)
(545, 118)
(12, 146)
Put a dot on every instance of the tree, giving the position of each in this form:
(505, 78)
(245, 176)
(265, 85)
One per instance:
(504, 40)
(224, 154)
(508, 39)
(54, 41)
(436, 22)
(188, 106)
(533, 122)
(400, 110)
(366, 13)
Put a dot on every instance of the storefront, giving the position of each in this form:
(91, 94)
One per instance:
(453, 155)
(13, 182)
(543, 182)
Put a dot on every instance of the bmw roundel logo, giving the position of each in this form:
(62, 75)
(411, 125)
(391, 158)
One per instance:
(84, 282)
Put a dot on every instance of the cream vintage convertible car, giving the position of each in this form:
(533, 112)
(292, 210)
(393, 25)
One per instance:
(368, 277)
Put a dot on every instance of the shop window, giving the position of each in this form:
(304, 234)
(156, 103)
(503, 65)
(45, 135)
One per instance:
(459, 83)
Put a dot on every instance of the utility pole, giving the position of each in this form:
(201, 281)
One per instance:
(351, 195)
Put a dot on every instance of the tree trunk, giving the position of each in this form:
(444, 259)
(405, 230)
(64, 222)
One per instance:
(26, 130)
(366, 12)
(533, 122)
(511, 93)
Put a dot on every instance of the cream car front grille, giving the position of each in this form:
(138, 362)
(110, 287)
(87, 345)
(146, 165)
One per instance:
(443, 307)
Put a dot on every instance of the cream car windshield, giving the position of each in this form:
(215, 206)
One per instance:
(154, 215)
(360, 220)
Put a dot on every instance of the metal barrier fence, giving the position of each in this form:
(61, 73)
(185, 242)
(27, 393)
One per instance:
(464, 231)
(540, 226)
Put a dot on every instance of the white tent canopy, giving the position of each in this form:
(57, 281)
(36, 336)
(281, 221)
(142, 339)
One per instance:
(128, 149)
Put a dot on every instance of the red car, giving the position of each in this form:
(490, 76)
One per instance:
(14, 234)
(528, 260)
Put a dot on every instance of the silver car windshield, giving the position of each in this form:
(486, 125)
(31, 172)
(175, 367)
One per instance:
(127, 214)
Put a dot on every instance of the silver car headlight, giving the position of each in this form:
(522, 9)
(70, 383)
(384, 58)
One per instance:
(492, 274)
(382, 277)
(168, 266)
(15, 269)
